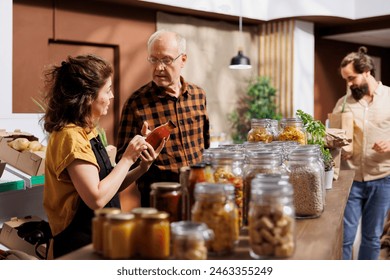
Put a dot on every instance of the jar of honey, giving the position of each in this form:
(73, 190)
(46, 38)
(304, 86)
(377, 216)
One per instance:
(120, 230)
(155, 239)
(138, 212)
(167, 196)
(97, 227)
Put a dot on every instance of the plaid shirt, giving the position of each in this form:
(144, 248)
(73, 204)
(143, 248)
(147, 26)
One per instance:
(188, 112)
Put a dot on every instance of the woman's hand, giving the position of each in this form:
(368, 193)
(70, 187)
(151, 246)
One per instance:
(149, 155)
(135, 147)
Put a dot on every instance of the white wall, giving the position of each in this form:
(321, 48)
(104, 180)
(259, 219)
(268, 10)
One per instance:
(8, 120)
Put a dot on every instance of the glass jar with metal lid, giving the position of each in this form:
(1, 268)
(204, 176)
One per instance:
(97, 227)
(291, 129)
(189, 240)
(138, 212)
(120, 229)
(271, 217)
(259, 162)
(260, 131)
(154, 243)
(306, 178)
(212, 207)
(228, 167)
(167, 196)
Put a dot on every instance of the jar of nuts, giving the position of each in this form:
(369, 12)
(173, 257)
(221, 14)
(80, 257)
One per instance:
(291, 129)
(260, 131)
(213, 208)
(271, 218)
(189, 240)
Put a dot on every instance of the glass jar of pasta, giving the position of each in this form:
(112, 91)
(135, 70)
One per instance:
(212, 207)
(260, 131)
(228, 167)
(291, 129)
(271, 218)
(259, 162)
(97, 227)
(189, 240)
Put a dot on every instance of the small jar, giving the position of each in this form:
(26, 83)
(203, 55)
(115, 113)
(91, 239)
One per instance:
(120, 236)
(212, 207)
(228, 168)
(271, 218)
(197, 175)
(97, 227)
(155, 239)
(189, 240)
(167, 196)
(291, 129)
(260, 131)
(259, 162)
(306, 177)
(138, 213)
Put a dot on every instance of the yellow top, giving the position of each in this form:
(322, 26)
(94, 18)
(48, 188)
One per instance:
(60, 198)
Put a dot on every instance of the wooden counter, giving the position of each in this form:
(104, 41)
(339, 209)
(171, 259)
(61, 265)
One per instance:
(317, 239)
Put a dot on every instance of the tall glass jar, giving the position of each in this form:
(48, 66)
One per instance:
(260, 131)
(189, 240)
(197, 175)
(306, 178)
(258, 162)
(228, 167)
(184, 182)
(167, 196)
(291, 129)
(212, 207)
(97, 227)
(271, 218)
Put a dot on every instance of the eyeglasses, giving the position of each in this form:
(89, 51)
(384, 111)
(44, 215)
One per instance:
(166, 60)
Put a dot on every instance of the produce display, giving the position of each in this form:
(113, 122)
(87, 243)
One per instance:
(23, 144)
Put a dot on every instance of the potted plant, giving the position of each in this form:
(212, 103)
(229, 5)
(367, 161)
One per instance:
(258, 103)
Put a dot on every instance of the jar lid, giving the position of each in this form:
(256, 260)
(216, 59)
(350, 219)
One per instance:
(160, 215)
(168, 186)
(197, 166)
(106, 211)
(121, 216)
(143, 210)
(192, 229)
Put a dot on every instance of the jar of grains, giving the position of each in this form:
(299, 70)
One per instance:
(260, 131)
(291, 129)
(167, 196)
(97, 227)
(228, 167)
(212, 207)
(189, 240)
(305, 174)
(258, 162)
(271, 218)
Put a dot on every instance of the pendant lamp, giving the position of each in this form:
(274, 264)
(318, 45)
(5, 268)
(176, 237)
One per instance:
(240, 61)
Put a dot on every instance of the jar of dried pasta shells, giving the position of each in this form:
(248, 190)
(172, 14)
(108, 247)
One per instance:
(291, 129)
(228, 167)
(261, 131)
(189, 240)
(271, 218)
(213, 208)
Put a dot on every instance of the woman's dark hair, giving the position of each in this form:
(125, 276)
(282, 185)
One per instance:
(361, 61)
(70, 90)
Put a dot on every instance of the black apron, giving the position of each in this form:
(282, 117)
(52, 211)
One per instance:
(79, 231)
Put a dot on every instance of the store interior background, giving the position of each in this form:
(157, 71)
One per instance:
(298, 44)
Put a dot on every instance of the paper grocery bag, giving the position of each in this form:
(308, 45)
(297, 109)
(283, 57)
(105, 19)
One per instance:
(343, 121)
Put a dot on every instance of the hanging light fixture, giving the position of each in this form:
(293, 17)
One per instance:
(240, 61)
